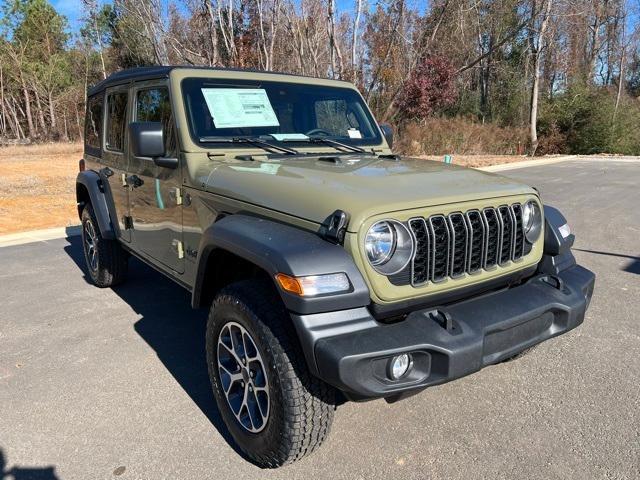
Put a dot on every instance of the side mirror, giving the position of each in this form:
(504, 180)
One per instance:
(147, 139)
(387, 131)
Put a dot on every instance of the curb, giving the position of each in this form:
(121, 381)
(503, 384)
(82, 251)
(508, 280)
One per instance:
(528, 163)
(38, 235)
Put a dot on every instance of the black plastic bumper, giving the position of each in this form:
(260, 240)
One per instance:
(351, 351)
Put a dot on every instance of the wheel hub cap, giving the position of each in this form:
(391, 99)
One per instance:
(243, 377)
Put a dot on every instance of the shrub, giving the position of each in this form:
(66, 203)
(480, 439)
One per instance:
(581, 121)
(463, 136)
(430, 88)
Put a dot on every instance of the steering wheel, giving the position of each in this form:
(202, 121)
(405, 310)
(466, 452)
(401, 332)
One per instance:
(318, 131)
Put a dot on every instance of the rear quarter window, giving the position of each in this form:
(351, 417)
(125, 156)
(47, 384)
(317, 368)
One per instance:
(116, 119)
(93, 125)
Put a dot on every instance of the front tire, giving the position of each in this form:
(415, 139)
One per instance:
(275, 410)
(106, 261)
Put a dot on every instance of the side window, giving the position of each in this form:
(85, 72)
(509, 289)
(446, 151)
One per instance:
(154, 105)
(116, 119)
(93, 123)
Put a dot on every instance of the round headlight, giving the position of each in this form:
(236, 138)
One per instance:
(380, 243)
(531, 221)
(389, 246)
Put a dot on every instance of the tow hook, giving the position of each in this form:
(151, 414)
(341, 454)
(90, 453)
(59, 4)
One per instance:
(442, 318)
(555, 282)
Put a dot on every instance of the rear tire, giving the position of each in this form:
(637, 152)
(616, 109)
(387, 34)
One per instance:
(106, 260)
(292, 410)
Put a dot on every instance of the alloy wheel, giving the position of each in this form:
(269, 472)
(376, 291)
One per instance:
(243, 377)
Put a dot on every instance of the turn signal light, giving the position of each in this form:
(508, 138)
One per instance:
(313, 285)
(289, 284)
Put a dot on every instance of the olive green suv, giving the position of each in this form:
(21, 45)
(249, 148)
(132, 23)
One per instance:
(333, 268)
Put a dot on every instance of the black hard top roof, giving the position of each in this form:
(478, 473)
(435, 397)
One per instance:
(124, 76)
(148, 73)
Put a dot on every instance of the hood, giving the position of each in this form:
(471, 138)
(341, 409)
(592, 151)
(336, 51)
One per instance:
(312, 188)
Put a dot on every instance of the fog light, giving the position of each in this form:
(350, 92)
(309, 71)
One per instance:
(399, 366)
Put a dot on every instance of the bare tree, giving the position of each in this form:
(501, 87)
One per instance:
(354, 41)
(538, 47)
(213, 33)
(91, 7)
(227, 28)
(624, 45)
(335, 55)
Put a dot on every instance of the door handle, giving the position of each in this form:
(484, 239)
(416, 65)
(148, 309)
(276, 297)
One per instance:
(134, 181)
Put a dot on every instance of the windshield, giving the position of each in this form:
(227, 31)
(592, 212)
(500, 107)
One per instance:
(276, 112)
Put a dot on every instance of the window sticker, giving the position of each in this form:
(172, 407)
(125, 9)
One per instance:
(354, 133)
(240, 107)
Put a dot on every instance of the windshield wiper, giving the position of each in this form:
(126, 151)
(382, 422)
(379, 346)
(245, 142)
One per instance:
(337, 145)
(269, 147)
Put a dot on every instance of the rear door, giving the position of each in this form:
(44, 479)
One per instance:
(155, 197)
(114, 158)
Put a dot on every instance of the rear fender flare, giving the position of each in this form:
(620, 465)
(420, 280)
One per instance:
(92, 183)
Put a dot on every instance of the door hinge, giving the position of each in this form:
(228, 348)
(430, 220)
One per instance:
(180, 250)
(178, 196)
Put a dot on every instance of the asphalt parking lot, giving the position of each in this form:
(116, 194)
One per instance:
(101, 384)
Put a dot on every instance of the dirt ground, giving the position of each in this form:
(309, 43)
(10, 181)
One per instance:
(37, 184)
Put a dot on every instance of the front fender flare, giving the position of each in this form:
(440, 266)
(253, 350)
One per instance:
(91, 181)
(557, 255)
(278, 248)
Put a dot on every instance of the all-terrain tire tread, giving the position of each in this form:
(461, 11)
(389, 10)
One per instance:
(309, 403)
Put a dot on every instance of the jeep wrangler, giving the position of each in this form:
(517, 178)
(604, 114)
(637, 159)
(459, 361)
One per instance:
(333, 268)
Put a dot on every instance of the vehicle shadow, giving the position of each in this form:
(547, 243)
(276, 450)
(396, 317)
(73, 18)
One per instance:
(174, 330)
(632, 267)
(25, 473)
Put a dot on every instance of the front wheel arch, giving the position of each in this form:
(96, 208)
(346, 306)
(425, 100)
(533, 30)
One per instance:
(223, 268)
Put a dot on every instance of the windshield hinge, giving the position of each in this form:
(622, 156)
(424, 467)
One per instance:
(334, 228)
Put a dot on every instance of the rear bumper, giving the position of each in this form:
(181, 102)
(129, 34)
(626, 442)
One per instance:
(350, 350)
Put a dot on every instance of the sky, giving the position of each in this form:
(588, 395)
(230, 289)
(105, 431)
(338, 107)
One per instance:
(72, 9)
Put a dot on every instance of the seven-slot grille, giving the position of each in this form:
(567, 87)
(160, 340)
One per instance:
(459, 243)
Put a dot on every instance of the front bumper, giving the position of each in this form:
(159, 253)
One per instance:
(350, 350)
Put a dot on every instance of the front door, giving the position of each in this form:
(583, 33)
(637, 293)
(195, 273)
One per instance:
(114, 159)
(155, 197)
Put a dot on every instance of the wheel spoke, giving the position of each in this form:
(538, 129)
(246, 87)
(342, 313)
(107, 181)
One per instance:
(233, 377)
(232, 352)
(94, 259)
(246, 407)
